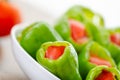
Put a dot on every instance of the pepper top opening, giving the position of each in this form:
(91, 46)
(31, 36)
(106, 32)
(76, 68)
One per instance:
(54, 52)
(105, 75)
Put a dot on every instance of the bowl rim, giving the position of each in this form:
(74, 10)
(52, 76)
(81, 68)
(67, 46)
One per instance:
(14, 31)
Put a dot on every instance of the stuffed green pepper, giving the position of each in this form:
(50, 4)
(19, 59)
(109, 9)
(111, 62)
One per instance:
(60, 58)
(103, 73)
(93, 55)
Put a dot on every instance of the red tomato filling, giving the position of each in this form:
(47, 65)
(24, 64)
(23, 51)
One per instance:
(99, 61)
(54, 52)
(9, 16)
(105, 75)
(115, 38)
(78, 32)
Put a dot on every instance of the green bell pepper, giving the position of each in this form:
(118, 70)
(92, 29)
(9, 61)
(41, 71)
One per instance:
(93, 55)
(103, 73)
(60, 58)
(74, 31)
(81, 13)
(114, 44)
(33, 36)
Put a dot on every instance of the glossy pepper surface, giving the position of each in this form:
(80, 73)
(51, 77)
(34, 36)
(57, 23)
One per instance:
(93, 55)
(60, 58)
(103, 73)
(24, 31)
(99, 34)
(35, 35)
(118, 65)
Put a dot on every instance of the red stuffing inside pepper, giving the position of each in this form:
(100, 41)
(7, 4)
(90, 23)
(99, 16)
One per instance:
(105, 75)
(115, 38)
(78, 31)
(54, 52)
(99, 61)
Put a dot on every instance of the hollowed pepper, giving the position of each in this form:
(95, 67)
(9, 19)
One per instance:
(60, 58)
(103, 73)
(36, 34)
(93, 55)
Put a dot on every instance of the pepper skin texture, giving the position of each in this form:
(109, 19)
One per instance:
(63, 65)
(99, 34)
(24, 31)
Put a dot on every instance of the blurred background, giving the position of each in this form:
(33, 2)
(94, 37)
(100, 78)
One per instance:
(49, 11)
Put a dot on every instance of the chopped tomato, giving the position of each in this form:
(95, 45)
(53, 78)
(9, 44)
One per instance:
(78, 32)
(115, 38)
(9, 16)
(54, 52)
(105, 75)
(99, 61)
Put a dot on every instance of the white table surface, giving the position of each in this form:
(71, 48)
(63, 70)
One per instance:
(109, 9)
(9, 69)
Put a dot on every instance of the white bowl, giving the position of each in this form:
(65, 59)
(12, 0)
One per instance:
(29, 66)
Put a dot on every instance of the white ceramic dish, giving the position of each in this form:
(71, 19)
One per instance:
(30, 67)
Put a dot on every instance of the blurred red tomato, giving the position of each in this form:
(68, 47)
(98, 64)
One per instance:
(9, 16)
